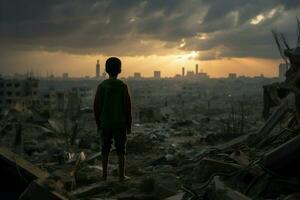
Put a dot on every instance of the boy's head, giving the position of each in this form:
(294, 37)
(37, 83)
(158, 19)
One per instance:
(113, 66)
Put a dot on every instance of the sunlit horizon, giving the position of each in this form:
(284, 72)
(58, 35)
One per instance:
(56, 63)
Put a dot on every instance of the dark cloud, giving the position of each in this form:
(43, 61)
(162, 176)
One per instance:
(290, 4)
(136, 27)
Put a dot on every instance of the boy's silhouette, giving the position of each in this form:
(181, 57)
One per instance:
(112, 108)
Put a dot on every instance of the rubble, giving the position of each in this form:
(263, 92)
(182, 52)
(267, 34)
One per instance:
(218, 190)
(22, 180)
(197, 147)
(284, 159)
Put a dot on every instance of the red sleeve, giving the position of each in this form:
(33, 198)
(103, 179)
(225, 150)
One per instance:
(97, 107)
(128, 109)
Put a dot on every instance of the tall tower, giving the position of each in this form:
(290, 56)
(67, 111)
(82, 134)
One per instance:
(98, 69)
(183, 72)
(197, 68)
(156, 74)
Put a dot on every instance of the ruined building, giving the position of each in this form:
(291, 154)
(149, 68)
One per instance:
(18, 92)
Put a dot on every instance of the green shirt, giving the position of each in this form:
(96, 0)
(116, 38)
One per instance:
(112, 105)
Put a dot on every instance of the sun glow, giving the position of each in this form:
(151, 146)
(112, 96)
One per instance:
(188, 56)
(261, 17)
(169, 65)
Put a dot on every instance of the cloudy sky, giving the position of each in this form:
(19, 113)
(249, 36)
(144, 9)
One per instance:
(223, 36)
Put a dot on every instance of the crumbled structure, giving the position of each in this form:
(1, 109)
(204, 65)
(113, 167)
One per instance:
(24, 181)
(269, 158)
(18, 91)
(209, 142)
(276, 92)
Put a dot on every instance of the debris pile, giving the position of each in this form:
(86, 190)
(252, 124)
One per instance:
(179, 160)
(211, 155)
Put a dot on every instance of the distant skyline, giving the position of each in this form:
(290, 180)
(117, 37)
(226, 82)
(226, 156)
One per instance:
(69, 36)
(85, 65)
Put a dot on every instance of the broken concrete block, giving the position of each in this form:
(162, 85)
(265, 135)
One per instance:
(89, 190)
(295, 196)
(270, 187)
(207, 167)
(151, 186)
(37, 191)
(284, 160)
(87, 175)
(218, 190)
(240, 157)
(176, 197)
(232, 143)
(272, 121)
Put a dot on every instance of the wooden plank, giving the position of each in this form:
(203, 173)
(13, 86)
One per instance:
(37, 191)
(13, 160)
(284, 160)
(272, 121)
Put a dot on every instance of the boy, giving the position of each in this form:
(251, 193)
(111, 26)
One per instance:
(112, 108)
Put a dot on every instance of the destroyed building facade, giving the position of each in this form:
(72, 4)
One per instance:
(18, 91)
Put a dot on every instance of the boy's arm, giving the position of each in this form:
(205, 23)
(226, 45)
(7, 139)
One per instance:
(128, 110)
(97, 107)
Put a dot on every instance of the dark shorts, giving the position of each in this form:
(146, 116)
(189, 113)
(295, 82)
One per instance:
(119, 137)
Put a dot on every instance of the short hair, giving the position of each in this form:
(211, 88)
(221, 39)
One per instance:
(113, 66)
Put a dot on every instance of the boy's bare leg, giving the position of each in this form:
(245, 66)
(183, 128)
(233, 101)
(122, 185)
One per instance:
(104, 166)
(122, 161)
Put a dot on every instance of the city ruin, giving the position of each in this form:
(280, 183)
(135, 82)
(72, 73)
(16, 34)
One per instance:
(193, 136)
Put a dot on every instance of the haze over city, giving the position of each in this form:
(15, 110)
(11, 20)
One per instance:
(54, 37)
(149, 99)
